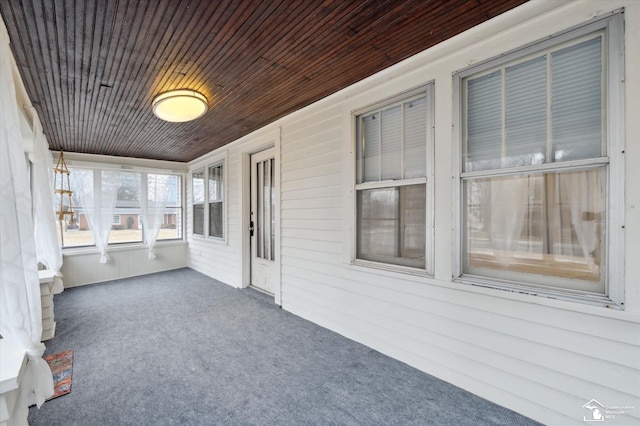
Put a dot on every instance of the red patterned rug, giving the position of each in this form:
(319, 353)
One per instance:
(61, 365)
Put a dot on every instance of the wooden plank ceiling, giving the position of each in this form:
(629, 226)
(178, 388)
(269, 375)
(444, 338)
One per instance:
(92, 67)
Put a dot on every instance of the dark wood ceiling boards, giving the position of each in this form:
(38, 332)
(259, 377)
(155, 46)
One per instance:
(92, 67)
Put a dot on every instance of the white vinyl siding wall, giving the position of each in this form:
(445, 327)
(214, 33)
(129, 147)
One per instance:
(542, 357)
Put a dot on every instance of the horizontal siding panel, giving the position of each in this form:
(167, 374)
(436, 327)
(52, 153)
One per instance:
(312, 235)
(313, 144)
(459, 337)
(306, 194)
(318, 213)
(320, 119)
(294, 254)
(310, 182)
(327, 225)
(317, 246)
(313, 203)
(623, 354)
(315, 170)
(310, 161)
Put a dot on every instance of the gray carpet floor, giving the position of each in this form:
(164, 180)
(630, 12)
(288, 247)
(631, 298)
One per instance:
(179, 348)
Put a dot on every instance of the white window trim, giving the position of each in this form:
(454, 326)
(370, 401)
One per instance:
(429, 89)
(219, 162)
(98, 167)
(119, 222)
(212, 160)
(614, 251)
(202, 169)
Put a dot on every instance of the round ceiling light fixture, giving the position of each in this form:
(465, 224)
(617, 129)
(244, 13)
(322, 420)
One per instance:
(178, 106)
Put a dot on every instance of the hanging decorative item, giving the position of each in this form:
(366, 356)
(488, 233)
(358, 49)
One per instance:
(62, 189)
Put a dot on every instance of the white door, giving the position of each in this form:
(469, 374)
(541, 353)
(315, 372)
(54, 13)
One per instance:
(262, 221)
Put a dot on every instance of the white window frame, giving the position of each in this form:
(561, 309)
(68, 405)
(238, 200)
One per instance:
(97, 169)
(428, 180)
(202, 170)
(613, 53)
(118, 222)
(219, 158)
(179, 223)
(217, 163)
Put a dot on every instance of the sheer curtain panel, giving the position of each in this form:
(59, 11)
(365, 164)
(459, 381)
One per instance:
(20, 309)
(48, 248)
(155, 190)
(97, 193)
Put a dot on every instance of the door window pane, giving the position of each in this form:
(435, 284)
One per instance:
(265, 210)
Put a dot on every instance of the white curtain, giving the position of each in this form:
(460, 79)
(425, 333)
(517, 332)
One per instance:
(20, 308)
(509, 202)
(583, 190)
(97, 193)
(154, 190)
(48, 248)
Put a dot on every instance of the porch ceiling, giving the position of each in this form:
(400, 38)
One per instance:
(92, 68)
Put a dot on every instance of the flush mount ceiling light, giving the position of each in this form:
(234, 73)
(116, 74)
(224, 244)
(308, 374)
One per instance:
(179, 106)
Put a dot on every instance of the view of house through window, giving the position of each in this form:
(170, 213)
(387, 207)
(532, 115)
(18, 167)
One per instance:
(126, 223)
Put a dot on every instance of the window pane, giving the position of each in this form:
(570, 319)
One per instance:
(370, 130)
(197, 184)
(215, 190)
(216, 183)
(171, 224)
(215, 219)
(128, 229)
(172, 221)
(265, 210)
(74, 232)
(577, 101)
(198, 219)
(128, 191)
(526, 113)
(549, 224)
(391, 225)
(484, 122)
(415, 138)
(392, 143)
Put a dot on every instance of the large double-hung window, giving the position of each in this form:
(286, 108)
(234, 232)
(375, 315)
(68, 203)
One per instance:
(538, 169)
(392, 196)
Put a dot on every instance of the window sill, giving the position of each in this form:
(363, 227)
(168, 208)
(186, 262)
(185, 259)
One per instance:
(71, 251)
(572, 298)
(404, 272)
(213, 240)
